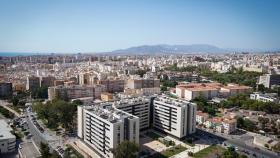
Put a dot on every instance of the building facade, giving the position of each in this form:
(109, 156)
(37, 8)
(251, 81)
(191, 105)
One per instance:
(75, 91)
(173, 116)
(142, 83)
(138, 106)
(7, 139)
(32, 83)
(104, 129)
(6, 90)
(268, 97)
(112, 86)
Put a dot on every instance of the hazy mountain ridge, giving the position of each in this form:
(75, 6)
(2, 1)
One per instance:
(166, 49)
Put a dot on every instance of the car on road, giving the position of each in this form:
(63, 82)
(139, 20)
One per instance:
(256, 148)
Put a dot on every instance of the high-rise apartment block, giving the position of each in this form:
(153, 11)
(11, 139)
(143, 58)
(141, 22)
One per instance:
(32, 83)
(138, 106)
(173, 116)
(47, 81)
(104, 125)
(6, 90)
(105, 128)
(269, 80)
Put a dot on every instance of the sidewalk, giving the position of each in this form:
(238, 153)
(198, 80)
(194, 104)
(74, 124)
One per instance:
(4, 105)
(83, 149)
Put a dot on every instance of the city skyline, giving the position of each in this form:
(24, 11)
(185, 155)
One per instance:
(90, 26)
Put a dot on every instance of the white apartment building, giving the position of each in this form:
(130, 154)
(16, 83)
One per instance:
(103, 128)
(138, 106)
(7, 139)
(268, 97)
(173, 116)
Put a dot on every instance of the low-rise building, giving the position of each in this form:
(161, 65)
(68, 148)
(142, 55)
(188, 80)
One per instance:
(229, 126)
(75, 91)
(267, 97)
(221, 125)
(142, 83)
(234, 89)
(19, 87)
(142, 91)
(193, 90)
(201, 117)
(105, 96)
(209, 90)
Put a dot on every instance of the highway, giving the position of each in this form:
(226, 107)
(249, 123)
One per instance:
(240, 143)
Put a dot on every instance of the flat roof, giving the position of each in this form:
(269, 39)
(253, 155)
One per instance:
(172, 101)
(110, 114)
(5, 132)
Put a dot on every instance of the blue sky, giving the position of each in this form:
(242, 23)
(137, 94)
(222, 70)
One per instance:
(93, 26)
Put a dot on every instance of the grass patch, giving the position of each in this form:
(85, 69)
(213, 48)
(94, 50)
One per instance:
(170, 152)
(211, 150)
(18, 135)
(17, 109)
(6, 113)
(153, 135)
(190, 144)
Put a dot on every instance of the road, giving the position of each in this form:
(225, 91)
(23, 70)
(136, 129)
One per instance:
(48, 137)
(240, 143)
(28, 149)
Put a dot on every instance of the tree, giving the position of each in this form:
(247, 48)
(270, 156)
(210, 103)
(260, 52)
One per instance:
(15, 101)
(266, 145)
(231, 153)
(141, 73)
(190, 154)
(276, 147)
(56, 112)
(245, 124)
(45, 150)
(126, 149)
(261, 88)
(77, 102)
(40, 92)
(163, 88)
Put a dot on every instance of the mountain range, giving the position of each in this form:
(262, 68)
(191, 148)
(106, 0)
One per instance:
(171, 49)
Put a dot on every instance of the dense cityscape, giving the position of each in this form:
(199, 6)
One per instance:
(176, 106)
(140, 79)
